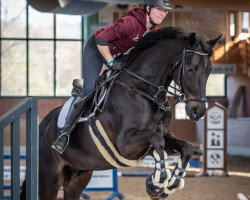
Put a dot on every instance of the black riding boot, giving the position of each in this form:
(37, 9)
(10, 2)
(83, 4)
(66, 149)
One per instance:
(62, 140)
(76, 108)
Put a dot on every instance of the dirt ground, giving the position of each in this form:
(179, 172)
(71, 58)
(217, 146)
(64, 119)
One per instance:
(196, 188)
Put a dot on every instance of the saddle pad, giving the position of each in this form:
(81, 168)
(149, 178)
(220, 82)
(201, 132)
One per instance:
(65, 109)
(64, 112)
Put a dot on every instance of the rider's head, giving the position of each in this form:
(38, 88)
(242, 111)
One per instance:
(157, 10)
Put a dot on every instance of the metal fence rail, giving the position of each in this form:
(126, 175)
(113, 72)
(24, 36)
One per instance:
(12, 118)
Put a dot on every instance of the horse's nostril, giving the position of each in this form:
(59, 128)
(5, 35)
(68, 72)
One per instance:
(195, 111)
(195, 115)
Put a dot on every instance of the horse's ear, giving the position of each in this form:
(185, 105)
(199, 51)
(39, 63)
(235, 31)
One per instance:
(214, 41)
(191, 39)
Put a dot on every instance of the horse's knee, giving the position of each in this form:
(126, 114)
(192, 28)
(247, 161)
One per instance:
(188, 149)
(158, 141)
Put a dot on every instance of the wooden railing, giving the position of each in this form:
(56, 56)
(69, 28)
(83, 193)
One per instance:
(12, 119)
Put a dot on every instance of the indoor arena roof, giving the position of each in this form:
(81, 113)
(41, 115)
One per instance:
(84, 7)
(75, 7)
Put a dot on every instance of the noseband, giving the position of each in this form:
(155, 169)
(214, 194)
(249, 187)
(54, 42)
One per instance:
(180, 97)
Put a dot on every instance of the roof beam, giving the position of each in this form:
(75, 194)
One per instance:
(233, 5)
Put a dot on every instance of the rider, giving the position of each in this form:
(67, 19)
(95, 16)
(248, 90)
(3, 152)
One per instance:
(103, 47)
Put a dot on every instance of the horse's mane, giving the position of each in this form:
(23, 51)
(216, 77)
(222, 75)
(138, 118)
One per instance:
(165, 33)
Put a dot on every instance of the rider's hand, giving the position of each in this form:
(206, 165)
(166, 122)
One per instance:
(115, 65)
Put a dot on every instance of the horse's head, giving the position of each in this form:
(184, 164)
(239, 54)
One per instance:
(192, 73)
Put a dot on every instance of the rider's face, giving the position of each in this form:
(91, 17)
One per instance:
(158, 14)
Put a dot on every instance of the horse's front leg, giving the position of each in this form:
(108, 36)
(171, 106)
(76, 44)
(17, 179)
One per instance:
(186, 150)
(158, 181)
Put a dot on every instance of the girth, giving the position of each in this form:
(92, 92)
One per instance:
(107, 149)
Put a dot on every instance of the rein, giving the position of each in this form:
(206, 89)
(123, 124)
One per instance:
(181, 97)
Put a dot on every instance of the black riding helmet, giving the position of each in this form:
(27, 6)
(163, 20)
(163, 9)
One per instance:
(164, 4)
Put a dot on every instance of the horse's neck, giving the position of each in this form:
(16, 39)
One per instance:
(155, 64)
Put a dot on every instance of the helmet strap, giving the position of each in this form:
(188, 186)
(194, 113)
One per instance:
(150, 19)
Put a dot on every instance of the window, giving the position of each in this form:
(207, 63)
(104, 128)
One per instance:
(13, 69)
(246, 22)
(67, 26)
(68, 64)
(41, 68)
(13, 18)
(180, 111)
(216, 85)
(41, 55)
(40, 24)
(232, 22)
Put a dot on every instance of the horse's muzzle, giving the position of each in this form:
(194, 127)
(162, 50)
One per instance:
(195, 110)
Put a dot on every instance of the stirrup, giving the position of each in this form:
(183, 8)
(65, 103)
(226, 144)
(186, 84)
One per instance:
(58, 146)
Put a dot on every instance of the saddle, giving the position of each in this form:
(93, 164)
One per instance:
(97, 100)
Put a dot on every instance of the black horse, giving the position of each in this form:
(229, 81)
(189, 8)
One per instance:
(136, 118)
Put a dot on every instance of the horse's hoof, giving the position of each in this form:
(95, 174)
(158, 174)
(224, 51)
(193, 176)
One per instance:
(150, 195)
(153, 192)
(164, 196)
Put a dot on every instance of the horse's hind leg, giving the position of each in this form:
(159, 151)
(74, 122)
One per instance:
(186, 150)
(50, 181)
(74, 183)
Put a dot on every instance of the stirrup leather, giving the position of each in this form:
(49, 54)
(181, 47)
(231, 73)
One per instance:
(61, 146)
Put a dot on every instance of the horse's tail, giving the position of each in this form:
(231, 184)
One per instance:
(23, 191)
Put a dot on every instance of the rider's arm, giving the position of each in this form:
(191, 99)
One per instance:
(117, 31)
(104, 49)
(111, 63)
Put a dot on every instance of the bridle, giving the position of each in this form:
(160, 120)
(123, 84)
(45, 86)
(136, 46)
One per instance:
(181, 77)
(180, 97)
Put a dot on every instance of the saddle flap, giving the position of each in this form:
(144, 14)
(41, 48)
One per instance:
(97, 103)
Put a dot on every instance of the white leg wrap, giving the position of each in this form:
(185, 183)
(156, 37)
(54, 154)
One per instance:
(157, 175)
(171, 182)
(169, 192)
(160, 185)
(182, 184)
(176, 172)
